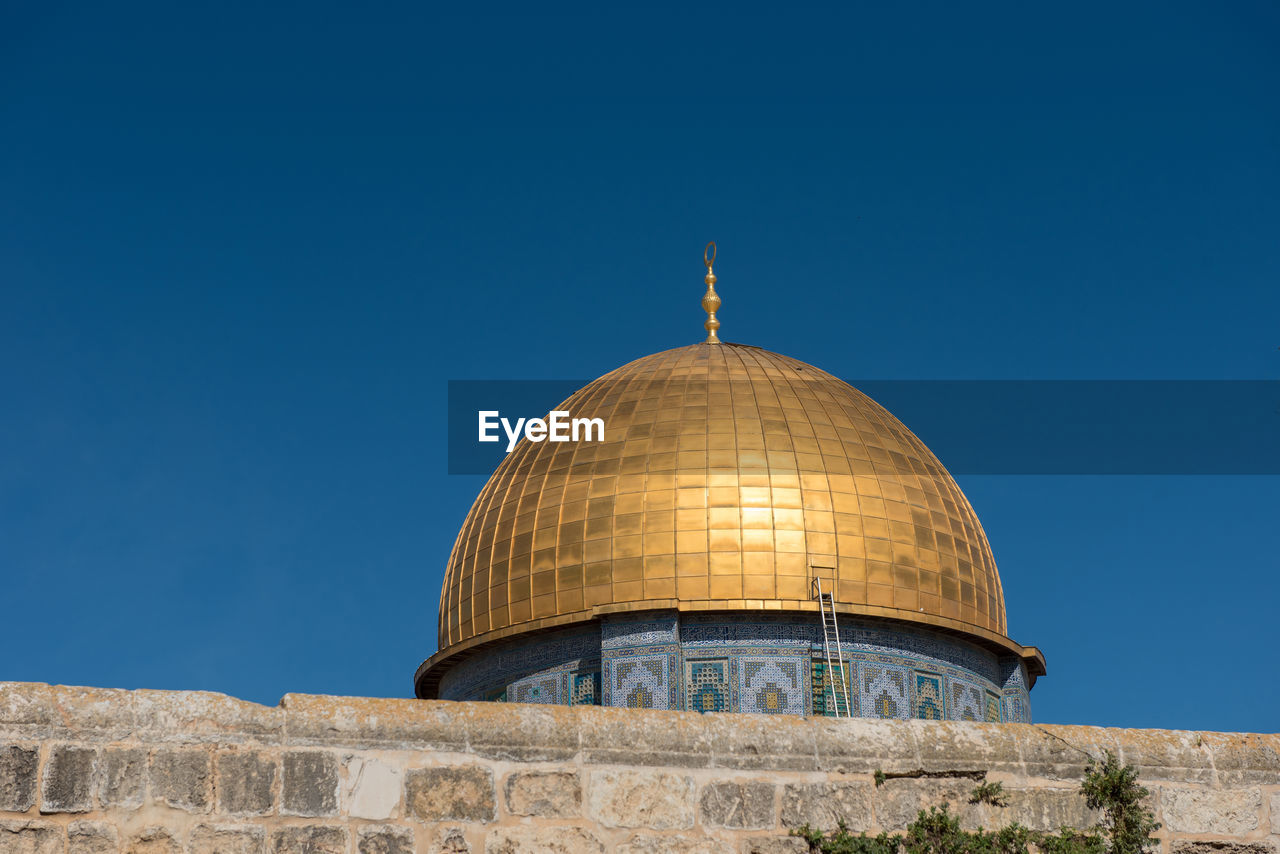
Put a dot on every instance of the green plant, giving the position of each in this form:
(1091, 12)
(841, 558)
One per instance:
(844, 842)
(1113, 788)
(879, 777)
(1070, 841)
(988, 793)
(1108, 786)
(939, 832)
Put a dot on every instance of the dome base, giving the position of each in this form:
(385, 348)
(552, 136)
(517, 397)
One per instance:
(757, 663)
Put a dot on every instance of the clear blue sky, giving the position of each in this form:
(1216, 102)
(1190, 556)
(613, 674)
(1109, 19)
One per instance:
(244, 247)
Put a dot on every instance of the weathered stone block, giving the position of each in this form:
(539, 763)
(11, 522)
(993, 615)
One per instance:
(32, 710)
(315, 839)
(546, 794)
(93, 714)
(762, 742)
(358, 722)
(1061, 752)
(450, 840)
(27, 710)
(519, 732)
(123, 780)
(1039, 809)
(182, 778)
(153, 840)
(658, 800)
(246, 783)
(1275, 812)
(651, 843)
(31, 837)
(740, 805)
(614, 737)
(226, 839)
(18, 777)
(1173, 755)
(92, 837)
(1244, 758)
(69, 780)
(1221, 847)
(956, 746)
(1226, 812)
(847, 746)
(545, 840)
(203, 717)
(462, 793)
(775, 845)
(385, 839)
(898, 802)
(310, 783)
(824, 805)
(372, 788)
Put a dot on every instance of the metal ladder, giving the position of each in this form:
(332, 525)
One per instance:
(840, 704)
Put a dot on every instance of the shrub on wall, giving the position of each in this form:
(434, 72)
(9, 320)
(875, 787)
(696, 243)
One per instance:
(1108, 786)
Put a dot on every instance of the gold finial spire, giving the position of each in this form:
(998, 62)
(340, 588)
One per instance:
(710, 300)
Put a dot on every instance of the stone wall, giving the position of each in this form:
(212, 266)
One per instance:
(87, 770)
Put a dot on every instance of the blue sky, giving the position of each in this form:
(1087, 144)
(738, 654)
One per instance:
(244, 248)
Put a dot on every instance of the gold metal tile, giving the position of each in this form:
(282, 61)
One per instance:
(726, 539)
(691, 541)
(597, 550)
(660, 566)
(727, 471)
(659, 588)
(757, 586)
(791, 564)
(598, 573)
(599, 528)
(725, 586)
(692, 588)
(726, 563)
(628, 591)
(789, 541)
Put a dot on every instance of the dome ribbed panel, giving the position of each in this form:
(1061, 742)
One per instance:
(726, 475)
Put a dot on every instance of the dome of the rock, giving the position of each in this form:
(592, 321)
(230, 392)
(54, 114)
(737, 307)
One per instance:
(678, 562)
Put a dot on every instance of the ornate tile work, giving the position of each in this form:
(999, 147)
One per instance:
(707, 685)
(884, 691)
(617, 633)
(967, 701)
(1013, 707)
(993, 707)
(773, 686)
(1013, 693)
(929, 705)
(1013, 674)
(824, 702)
(639, 658)
(642, 682)
(586, 689)
(642, 660)
(537, 689)
(701, 632)
(952, 652)
(520, 658)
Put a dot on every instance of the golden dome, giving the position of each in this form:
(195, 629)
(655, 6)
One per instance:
(729, 476)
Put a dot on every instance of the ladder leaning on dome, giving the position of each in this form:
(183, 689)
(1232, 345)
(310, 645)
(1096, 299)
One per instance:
(840, 705)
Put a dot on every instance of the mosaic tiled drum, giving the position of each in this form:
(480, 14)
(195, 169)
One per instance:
(672, 565)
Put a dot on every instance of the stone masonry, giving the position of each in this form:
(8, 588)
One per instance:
(93, 771)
